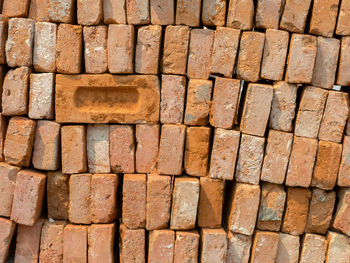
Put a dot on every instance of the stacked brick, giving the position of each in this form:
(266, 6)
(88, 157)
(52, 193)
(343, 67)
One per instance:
(195, 131)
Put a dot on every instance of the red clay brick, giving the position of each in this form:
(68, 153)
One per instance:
(114, 12)
(268, 13)
(38, 10)
(213, 12)
(7, 229)
(57, 194)
(51, 243)
(98, 148)
(265, 246)
(324, 17)
(89, 12)
(101, 243)
(288, 249)
(3, 37)
(79, 199)
(75, 244)
(344, 169)
(313, 249)
(137, 12)
(213, 245)
(344, 62)
(8, 175)
(15, 8)
(343, 24)
(186, 246)
(240, 14)
(3, 128)
(188, 12)
(341, 219)
(61, 11)
(294, 15)
(147, 139)
(161, 246)
(131, 245)
(238, 248)
(162, 12)
(338, 248)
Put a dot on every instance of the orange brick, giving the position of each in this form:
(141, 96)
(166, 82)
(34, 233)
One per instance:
(343, 24)
(57, 194)
(294, 15)
(75, 243)
(137, 12)
(188, 13)
(341, 219)
(38, 10)
(3, 127)
(79, 199)
(338, 248)
(214, 12)
(51, 242)
(213, 245)
(162, 12)
(101, 243)
(62, 11)
(265, 246)
(344, 63)
(161, 246)
(240, 14)
(15, 8)
(313, 249)
(7, 229)
(98, 148)
(344, 169)
(3, 37)
(132, 245)
(288, 248)
(114, 12)
(268, 13)
(324, 17)
(8, 175)
(186, 246)
(238, 248)
(89, 12)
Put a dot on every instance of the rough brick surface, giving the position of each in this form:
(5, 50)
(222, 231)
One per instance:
(265, 246)
(313, 249)
(188, 12)
(214, 12)
(114, 11)
(344, 62)
(238, 248)
(344, 169)
(288, 249)
(98, 148)
(79, 198)
(51, 242)
(132, 245)
(186, 246)
(57, 194)
(338, 248)
(7, 228)
(38, 10)
(324, 17)
(240, 14)
(341, 219)
(15, 8)
(162, 12)
(61, 11)
(75, 243)
(161, 246)
(137, 12)
(89, 12)
(213, 245)
(8, 175)
(3, 37)
(268, 13)
(294, 15)
(343, 23)
(101, 243)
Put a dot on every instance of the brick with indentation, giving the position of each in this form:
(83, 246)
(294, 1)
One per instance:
(89, 12)
(132, 245)
(186, 246)
(101, 243)
(240, 14)
(214, 12)
(8, 175)
(7, 230)
(79, 199)
(294, 15)
(75, 243)
(161, 246)
(51, 242)
(188, 12)
(57, 194)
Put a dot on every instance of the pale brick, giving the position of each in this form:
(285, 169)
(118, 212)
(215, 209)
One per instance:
(3, 37)
(89, 12)
(186, 246)
(344, 62)
(268, 13)
(324, 17)
(344, 169)
(265, 246)
(338, 248)
(240, 14)
(131, 245)
(101, 243)
(137, 12)
(75, 244)
(288, 249)
(79, 199)
(8, 175)
(51, 242)
(57, 194)
(114, 12)
(7, 230)
(213, 245)
(343, 24)
(238, 248)
(147, 139)
(342, 219)
(161, 246)
(313, 249)
(162, 12)
(15, 8)
(61, 11)
(98, 148)
(38, 10)
(214, 12)
(294, 15)
(188, 12)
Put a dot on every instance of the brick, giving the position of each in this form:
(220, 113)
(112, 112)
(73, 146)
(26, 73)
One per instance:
(250, 159)
(73, 149)
(214, 12)
(79, 199)
(8, 175)
(51, 242)
(271, 208)
(341, 219)
(301, 162)
(278, 149)
(28, 242)
(211, 198)
(114, 12)
(120, 45)
(122, 148)
(41, 96)
(344, 169)
(15, 8)
(338, 248)
(334, 117)
(198, 101)
(326, 62)
(265, 246)
(213, 245)
(200, 50)
(343, 23)
(238, 248)
(134, 200)
(162, 12)
(188, 13)
(103, 198)
(310, 112)
(19, 141)
(15, 92)
(275, 53)
(171, 149)
(225, 103)
(131, 245)
(69, 48)
(283, 106)
(89, 12)
(147, 139)
(75, 243)
(7, 228)
(46, 153)
(248, 63)
(224, 154)
(184, 203)
(344, 62)
(297, 207)
(327, 165)
(3, 37)
(98, 148)
(313, 249)
(324, 17)
(19, 44)
(288, 249)
(186, 246)
(101, 243)
(197, 151)
(243, 208)
(61, 11)
(95, 49)
(294, 15)
(320, 211)
(44, 53)
(3, 128)
(57, 194)
(161, 246)
(175, 49)
(268, 13)
(158, 201)
(240, 14)
(38, 10)
(137, 12)
(256, 109)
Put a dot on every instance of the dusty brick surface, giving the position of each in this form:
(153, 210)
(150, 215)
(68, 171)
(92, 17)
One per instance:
(268, 13)
(61, 11)
(288, 249)
(188, 13)
(57, 194)
(240, 14)
(89, 12)
(137, 12)
(344, 172)
(186, 246)
(98, 148)
(51, 242)
(132, 245)
(341, 219)
(3, 37)
(338, 248)
(265, 246)
(15, 8)
(294, 15)
(162, 12)
(38, 10)
(213, 12)
(238, 248)
(8, 175)
(75, 243)
(213, 245)
(344, 62)
(7, 228)
(101, 243)
(324, 17)
(161, 246)
(114, 11)
(343, 22)
(79, 198)
(313, 248)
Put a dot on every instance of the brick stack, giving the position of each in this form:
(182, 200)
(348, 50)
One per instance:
(196, 131)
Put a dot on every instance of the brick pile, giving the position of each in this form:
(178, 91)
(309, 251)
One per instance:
(175, 131)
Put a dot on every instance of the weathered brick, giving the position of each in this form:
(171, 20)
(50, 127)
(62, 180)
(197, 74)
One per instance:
(44, 53)
(95, 49)
(38, 10)
(46, 152)
(301, 162)
(256, 109)
(338, 248)
(175, 49)
(310, 112)
(200, 50)
(147, 139)
(8, 175)
(343, 24)
(344, 169)
(15, 92)
(294, 15)
(162, 12)
(103, 198)
(344, 62)
(51, 242)
(101, 243)
(275, 53)
(3, 128)
(61, 11)
(326, 62)
(213, 12)
(75, 243)
(98, 148)
(243, 208)
(172, 99)
(324, 17)
(213, 245)
(120, 46)
(114, 12)
(3, 37)
(268, 13)
(137, 12)
(238, 248)
(171, 149)
(248, 63)
(122, 148)
(57, 194)
(296, 211)
(224, 154)
(186, 246)
(320, 211)
(341, 219)
(131, 245)
(134, 200)
(188, 12)
(15, 8)
(89, 12)
(69, 48)
(184, 203)
(265, 246)
(313, 249)
(288, 249)
(225, 102)
(79, 199)
(161, 246)
(240, 14)
(7, 229)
